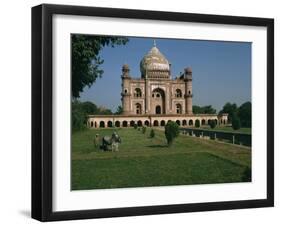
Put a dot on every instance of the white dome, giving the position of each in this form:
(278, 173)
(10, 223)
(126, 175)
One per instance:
(154, 60)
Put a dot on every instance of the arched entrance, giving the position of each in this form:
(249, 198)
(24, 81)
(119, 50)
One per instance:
(102, 124)
(124, 123)
(158, 102)
(132, 123)
(139, 123)
(109, 124)
(117, 124)
(146, 123)
(158, 109)
(155, 123)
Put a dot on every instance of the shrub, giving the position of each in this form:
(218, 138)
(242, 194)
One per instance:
(78, 120)
(171, 132)
(135, 126)
(212, 124)
(245, 114)
(236, 124)
(152, 133)
(143, 129)
(78, 116)
(197, 123)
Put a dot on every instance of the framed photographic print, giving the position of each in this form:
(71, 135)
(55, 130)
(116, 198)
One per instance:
(146, 112)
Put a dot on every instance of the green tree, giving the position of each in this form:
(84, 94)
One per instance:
(212, 124)
(197, 109)
(89, 108)
(152, 133)
(80, 112)
(135, 126)
(171, 132)
(208, 109)
(86, 60)
(197, 123)
(104, 111)
(245, 114)
(236, 124)
(230, 109)
(119, 110)
(78, 116)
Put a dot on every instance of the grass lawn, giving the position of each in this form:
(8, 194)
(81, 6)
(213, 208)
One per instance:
(142, 161)
(228, 129)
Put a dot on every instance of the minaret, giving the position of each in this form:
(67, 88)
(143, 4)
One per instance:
(126, 95)
(146, 94)
(188, 90)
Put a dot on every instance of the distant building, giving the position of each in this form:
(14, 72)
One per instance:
(155, 98)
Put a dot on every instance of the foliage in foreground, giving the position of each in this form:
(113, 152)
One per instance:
(78, 119)
(243, 113)
(86, 59)
(171, 132)
(80, 112)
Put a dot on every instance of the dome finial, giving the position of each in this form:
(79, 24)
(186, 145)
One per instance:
(154, 43)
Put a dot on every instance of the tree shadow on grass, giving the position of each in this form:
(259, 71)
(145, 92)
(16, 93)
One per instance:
(158, 146)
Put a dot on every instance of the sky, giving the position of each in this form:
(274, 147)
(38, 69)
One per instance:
(221, 70)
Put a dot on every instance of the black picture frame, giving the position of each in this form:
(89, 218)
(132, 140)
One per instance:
(42, 111)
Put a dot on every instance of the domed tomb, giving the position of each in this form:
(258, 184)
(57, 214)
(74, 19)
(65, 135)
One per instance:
(155, 65)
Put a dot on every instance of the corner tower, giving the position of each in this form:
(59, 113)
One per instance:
(188, 90)
(126, 95)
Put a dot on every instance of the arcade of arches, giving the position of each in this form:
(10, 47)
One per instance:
(106, 121)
